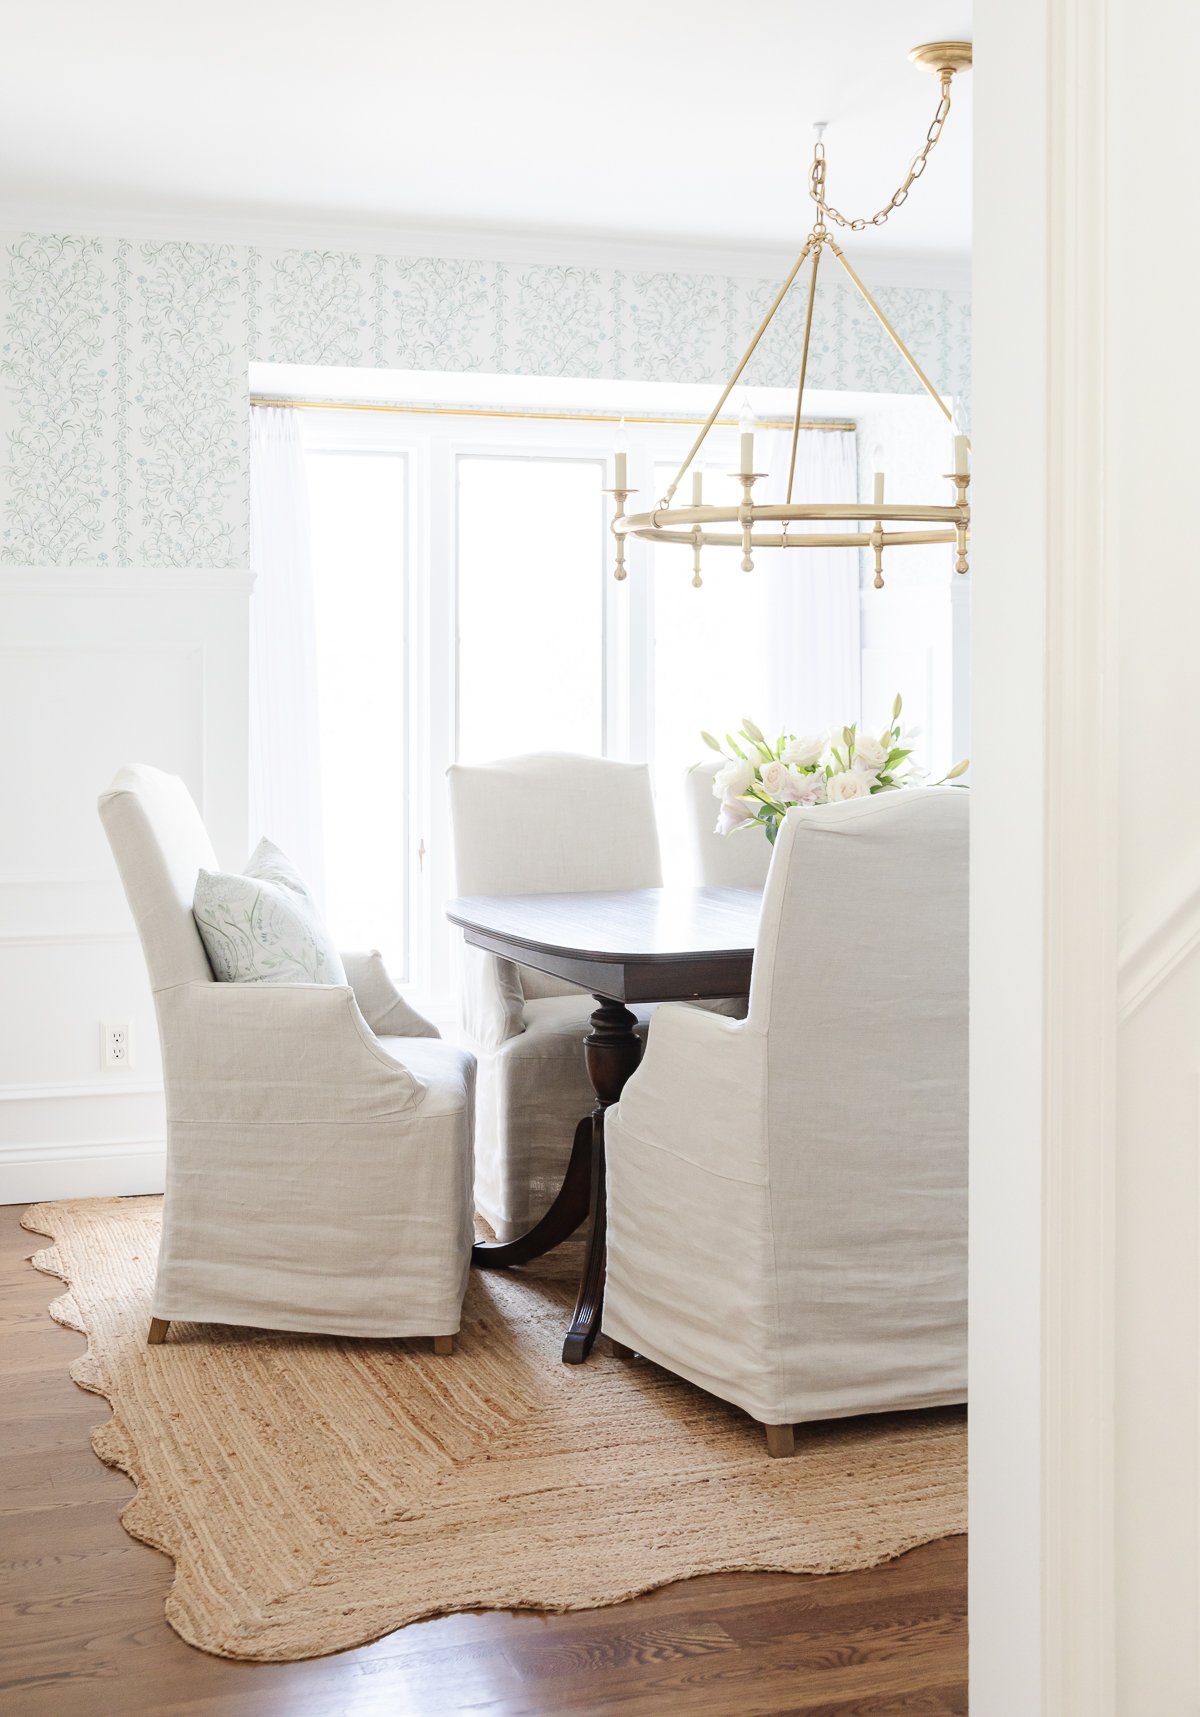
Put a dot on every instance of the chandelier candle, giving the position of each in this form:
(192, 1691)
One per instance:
(769, 524)
(619, 457)
(620, 493)
(746, 425)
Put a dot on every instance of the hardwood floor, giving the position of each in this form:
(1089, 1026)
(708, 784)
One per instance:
(82, 1631)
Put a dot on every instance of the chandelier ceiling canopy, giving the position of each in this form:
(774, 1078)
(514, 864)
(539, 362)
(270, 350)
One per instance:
(793, 524)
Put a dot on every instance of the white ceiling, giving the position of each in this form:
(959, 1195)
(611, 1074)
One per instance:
(642, 122)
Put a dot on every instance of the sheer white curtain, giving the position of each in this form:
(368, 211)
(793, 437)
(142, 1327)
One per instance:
(780, 644)
(813, 645)
(285, 767)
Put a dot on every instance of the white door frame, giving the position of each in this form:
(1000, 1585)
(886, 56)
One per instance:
(1044, 918)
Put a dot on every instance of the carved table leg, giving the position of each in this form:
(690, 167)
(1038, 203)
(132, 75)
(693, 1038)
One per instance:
(564, 1216)
(612, 1050)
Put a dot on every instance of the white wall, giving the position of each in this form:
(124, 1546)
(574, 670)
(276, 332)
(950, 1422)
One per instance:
(98, 669)
(1152, 382)
(1086, 953)
(1009, 559)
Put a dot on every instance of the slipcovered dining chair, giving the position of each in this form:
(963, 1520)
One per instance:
(787, 1216)
(737, 860)
(319, 1151)
(549, 823)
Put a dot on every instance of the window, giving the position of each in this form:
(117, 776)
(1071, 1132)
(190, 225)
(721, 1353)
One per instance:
(530, 609)
(466, 610)
(357, 512)
(711, 658)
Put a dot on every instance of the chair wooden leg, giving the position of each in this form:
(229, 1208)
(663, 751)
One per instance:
(620, 1351)
(158, 1331)
(443, 1344)
(781, 1440)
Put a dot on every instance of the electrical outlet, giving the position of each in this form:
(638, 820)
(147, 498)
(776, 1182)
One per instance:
(115, 1050)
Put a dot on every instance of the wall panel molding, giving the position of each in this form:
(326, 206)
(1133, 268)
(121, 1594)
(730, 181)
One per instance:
(118, 666)
(79, 1089)
(1082, 834)
(97, 581)
(1159, 939)
(82, 938)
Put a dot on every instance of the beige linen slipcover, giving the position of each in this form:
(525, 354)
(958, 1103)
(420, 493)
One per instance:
(787, 1194)
(319, 1137)
(737, 860)
(548, 823)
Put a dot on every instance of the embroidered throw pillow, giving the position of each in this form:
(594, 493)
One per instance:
(262, 927)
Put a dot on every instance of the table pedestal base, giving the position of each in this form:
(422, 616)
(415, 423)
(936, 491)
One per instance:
(612, 1049)
(570, 1208)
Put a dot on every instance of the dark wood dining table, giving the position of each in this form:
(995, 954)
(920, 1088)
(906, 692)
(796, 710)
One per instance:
(637, 945)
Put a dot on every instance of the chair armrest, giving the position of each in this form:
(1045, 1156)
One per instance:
(491, 998)
(380, 1002)
(700, 1091)
(258, 1053)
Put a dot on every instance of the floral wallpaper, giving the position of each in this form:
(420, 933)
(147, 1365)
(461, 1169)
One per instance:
(123, 364)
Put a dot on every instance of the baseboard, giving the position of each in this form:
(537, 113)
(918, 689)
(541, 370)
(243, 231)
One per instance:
(98, 1168)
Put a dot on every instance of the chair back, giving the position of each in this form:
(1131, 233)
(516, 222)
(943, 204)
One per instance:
(553, 823)
(860, 984)
(160, 845)
(739, 860)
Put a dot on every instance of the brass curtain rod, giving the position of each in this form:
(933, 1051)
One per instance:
(843, 425)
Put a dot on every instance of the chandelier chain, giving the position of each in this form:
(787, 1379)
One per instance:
(899, 195)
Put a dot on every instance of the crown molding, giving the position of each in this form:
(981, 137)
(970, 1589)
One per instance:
(948, 270)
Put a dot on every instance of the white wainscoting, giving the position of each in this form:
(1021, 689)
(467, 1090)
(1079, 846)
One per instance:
(98, 669)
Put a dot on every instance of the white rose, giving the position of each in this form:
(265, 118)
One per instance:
(809, 789)
(851, 784)
(870, 754)
(798, 789)
(775, 778)
(734, 812)
(733, 778)
(803, 752)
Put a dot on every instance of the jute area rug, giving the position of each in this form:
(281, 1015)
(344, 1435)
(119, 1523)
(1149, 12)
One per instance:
(317, 1493)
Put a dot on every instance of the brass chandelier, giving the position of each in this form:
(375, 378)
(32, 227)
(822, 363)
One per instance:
(771, 525)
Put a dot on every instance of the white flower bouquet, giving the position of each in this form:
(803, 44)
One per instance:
(760, 783)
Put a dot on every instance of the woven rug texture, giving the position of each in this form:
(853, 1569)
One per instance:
(316, 1493)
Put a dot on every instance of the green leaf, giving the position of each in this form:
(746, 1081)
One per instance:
(733, 745)
(765, 799)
